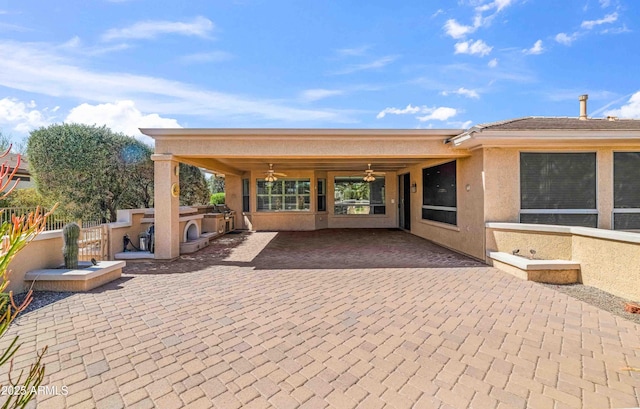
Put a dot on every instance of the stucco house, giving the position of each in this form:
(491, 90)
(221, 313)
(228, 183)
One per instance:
(22, 174)
(463, 189)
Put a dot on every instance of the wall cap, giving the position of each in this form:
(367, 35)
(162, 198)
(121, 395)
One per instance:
(616, 235)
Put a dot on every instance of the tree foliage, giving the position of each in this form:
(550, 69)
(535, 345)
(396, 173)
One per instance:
(193, 186)
(92, 171)
(216, 184)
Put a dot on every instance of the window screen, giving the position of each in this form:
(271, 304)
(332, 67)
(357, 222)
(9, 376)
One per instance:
(626, 190)
(439, 197)
(245, 195)
(558, 188)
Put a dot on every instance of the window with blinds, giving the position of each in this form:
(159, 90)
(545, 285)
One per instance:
(626, 190)
(558, 188)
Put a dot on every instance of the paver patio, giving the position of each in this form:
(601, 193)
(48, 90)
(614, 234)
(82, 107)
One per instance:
(332, 318)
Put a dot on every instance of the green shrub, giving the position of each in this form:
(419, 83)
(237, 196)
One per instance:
(217, 198)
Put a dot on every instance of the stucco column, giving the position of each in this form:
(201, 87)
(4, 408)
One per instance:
(604, 185)
(167, 234)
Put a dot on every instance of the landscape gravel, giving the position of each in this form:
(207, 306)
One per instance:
(597, 298)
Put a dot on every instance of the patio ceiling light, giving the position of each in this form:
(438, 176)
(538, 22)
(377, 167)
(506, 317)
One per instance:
(271, 175)
(369, 174)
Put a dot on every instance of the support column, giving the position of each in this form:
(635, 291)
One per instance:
(167, 207)
(604, 184)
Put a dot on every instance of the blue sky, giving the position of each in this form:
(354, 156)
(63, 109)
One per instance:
(333, 64)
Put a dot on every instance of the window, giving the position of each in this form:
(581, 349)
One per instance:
(439, 196)
(245, 195)
(558, 188)
(284, 194)
(322, 195)
(626, 190)
(353, 196)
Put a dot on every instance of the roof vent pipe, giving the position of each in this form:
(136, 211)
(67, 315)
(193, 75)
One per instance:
(583, 106)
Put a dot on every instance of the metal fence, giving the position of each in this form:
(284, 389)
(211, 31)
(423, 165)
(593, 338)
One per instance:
(55, 221)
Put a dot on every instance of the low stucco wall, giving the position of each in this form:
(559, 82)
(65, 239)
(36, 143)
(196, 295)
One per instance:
(45, 251)
(129, 222)
(609, 260)
(283, 221)
(547, 245)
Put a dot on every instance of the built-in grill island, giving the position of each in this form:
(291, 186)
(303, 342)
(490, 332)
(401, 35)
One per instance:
(218, 219)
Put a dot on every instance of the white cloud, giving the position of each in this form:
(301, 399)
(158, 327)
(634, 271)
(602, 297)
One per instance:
(493, 63)
(469, 93)
(566, 39)
(379, 63)
(353, 52)
(39, 68)
(457, 30)
(23, 117)
(311, 95)
(400, 111)
(212, 56)
(630, 110)
(123, 116)
(616, 30)
(605, 3)
(478, 47)
(498, 5)
(460, 124)
(609, 18)
(439, 113)
(536, 49)
(198, 27)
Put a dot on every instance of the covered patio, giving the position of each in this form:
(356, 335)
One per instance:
(314, 162)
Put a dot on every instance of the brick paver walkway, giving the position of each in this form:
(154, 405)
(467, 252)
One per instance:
(335, 318)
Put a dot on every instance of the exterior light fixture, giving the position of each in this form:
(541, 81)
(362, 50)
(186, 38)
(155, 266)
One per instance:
(369, 178)
(414, 187)
(270, 178)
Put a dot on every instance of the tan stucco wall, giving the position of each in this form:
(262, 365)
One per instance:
(118, 230)
(546, 245)
(45, 251)
(501, 181)
(610, 265)
(283, 221)
(233, 198)
(468, 236)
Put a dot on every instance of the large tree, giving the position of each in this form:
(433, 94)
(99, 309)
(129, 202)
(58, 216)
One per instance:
(193, 186)
(91, 171)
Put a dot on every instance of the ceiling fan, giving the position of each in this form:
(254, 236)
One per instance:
(370, 174)
(271, 175)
